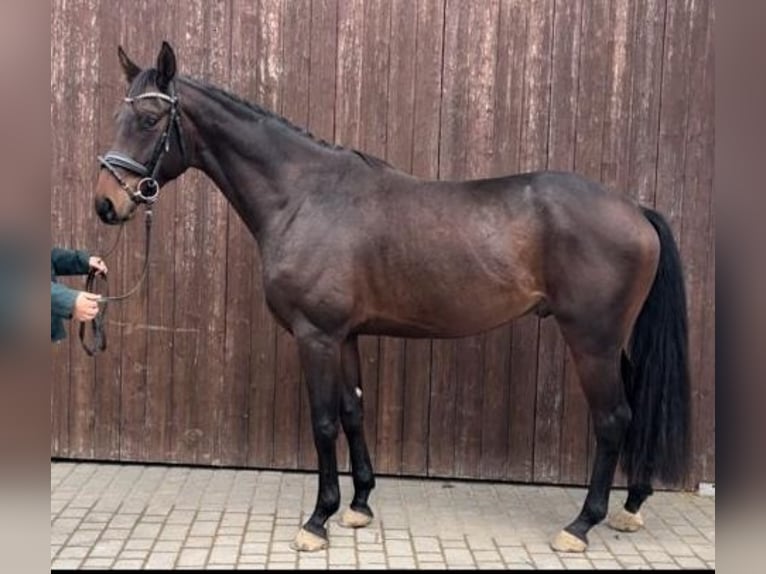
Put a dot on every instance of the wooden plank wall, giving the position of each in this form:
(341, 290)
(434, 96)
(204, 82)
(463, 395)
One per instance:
(198, 372)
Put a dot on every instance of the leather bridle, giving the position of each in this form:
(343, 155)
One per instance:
(147, 189)
(145, 193)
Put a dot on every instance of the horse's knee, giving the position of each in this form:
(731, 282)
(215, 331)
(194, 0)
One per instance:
(325, 429)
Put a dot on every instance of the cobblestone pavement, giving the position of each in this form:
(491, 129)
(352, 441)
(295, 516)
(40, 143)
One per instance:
(132, 516)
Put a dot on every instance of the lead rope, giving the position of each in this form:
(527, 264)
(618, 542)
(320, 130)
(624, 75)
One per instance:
(97, 324)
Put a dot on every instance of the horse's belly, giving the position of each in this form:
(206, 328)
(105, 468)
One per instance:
(451, 310)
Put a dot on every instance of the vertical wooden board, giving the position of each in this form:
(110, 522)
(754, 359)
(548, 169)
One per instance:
(481, 51)
(561, 136)
(218, 48)
(111, 88)
(348, 86)
(695, 222)
(398, 152)
(161, 283)
(290, 397)
(617, 52)
(498, 380)
(375, 31)
(240, 254)
(267, 74)
(200, 259)
(81, 156)
(218, 22)
(187, 311)
(645, 98)
(706, 405)
(60, 211)
(320, 121)
(673, 114)
(704, 410)
(425, 157)
(533, 156)
(141, 45)
(444, 375)
(591, 106)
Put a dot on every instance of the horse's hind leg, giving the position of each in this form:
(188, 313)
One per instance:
(598, 367)
(359, 513)
(628, 518)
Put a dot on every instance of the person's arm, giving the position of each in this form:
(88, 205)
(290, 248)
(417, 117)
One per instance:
(62, 300)
(70, 261)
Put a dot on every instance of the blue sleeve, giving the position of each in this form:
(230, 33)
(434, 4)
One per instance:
(62, 300)
(70, 261)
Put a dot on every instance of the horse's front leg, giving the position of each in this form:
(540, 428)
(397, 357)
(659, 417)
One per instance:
(359, 513)
(320, 357)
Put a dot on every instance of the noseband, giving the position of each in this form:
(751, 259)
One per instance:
(147, 189)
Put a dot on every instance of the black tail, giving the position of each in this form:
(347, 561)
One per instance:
(658, 440)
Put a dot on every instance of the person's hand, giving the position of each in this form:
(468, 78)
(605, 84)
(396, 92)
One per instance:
(98, 264)
(86, 306)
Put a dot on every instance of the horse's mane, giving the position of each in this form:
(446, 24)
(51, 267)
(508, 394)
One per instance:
(148, 79)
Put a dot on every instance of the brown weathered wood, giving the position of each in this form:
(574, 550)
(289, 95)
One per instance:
(372, 139)
(425, 158)
(60, 211)
(240, 259)
(80, 155)
(695, 226)
(480, 56)
(400, 110)
(265, 77)
(444, 375)
(648, 55)
(111, 86)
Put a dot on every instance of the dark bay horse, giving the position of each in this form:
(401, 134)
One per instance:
(350, 246)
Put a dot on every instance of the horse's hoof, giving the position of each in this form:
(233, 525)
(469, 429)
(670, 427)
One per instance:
(625, 521)
(354, 519)
(306, 541)
(566, 542)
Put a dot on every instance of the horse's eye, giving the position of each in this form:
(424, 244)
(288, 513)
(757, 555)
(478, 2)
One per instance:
(148, 121)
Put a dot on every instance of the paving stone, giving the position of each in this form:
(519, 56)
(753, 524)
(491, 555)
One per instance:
(426, 544)
(398, 547)
(73, 552)
(457, 556)
(192, 557)
(161, 560)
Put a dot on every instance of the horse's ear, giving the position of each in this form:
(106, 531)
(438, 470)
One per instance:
(166, 66)
(130, 69)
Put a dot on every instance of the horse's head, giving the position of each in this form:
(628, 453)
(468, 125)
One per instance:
(148, 149)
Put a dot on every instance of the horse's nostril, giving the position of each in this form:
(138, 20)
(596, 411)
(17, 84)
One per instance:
(105, 209)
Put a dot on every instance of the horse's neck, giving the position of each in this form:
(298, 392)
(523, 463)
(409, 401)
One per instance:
(250, 157)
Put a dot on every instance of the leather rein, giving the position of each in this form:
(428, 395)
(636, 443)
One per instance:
(146, 193)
